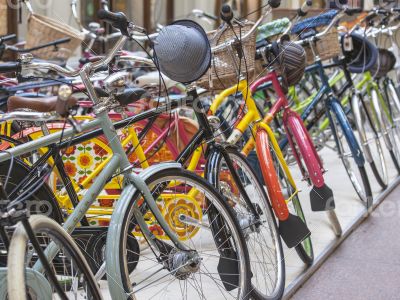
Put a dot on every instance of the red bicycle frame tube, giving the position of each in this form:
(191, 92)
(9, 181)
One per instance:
(295, 130)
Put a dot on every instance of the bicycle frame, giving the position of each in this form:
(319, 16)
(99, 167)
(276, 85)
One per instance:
(333, 105)
(253, 116)
(294, 128)
(118, 161)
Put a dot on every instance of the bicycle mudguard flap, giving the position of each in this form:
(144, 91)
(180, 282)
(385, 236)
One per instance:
(321, 198)
(293, 230)
(228, 270)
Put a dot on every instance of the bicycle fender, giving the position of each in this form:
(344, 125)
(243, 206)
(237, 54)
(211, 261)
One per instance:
(270, 176)
(113, 262)
(307, 150)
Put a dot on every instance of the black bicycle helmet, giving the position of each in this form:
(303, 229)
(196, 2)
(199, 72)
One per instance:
(363, 56)
(384, 64)
(291, 59)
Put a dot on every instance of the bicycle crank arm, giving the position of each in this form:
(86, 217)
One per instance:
(192, 221)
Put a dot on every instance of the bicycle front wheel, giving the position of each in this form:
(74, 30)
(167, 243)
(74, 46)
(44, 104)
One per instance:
(369, 129)
(357, 174)
(261, 232)
(69, 265)
(216, 267)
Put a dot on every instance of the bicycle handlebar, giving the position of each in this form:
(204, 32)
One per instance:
(54, 43)
(6, 38)
(10, 67)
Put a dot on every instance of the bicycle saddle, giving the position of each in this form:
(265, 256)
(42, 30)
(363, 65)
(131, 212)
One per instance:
(43, 104)
(131, 95)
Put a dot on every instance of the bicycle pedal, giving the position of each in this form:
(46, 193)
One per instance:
(293, 231)
(321, 198)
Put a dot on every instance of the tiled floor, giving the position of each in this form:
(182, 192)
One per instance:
(367, 265)
(357, 268)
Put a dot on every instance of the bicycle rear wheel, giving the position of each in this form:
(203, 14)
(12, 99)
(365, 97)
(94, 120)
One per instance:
(261, 232)
(217, 267)
(69, 265)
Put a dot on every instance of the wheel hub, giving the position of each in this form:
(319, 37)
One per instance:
(184, 263)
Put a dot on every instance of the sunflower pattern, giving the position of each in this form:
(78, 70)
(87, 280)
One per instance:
(82, 159)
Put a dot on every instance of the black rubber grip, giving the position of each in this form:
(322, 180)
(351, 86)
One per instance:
(352, 11)
(7, 37)
(342, 2)
(10, 67)
(226, 13)
(274, 3)
(303, 10)
(258, 53)
(396, 9)
(370, 17)
(382, 12)
(117, 20)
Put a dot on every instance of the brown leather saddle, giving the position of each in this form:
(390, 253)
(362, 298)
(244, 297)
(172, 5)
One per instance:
(43, 104)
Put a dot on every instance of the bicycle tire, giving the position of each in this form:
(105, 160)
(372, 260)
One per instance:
(393, 102)
(364, 192)
(121, 285)
(369, 129)
(18, 252)
(256, 238)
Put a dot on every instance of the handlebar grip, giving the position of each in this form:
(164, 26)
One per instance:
(352, 11)
(274, 3)
(117, 20)
(303, 10)
(381, 11)
(10, 67)
(396, 9)
(258, 54)
(226, 13)
(343, 2)
(7, 38)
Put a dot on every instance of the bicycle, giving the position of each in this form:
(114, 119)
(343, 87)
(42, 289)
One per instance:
(345, 140)
(217, 206)
(77, 278)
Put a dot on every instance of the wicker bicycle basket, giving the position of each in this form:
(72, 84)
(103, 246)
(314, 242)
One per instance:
(3, 17)
(326, 47)
(42, 30)
(225, 64)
